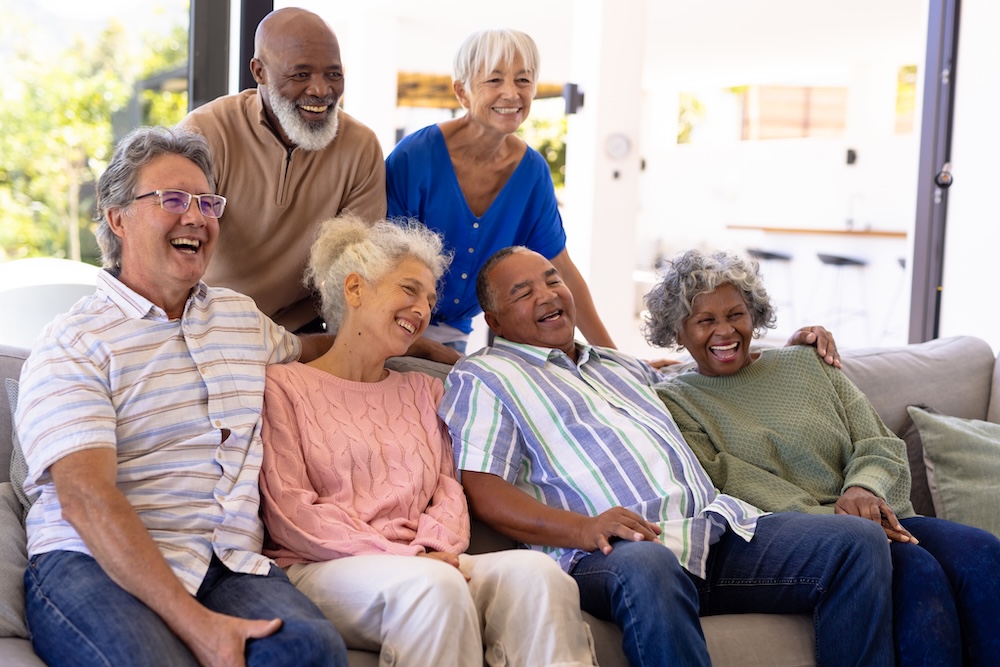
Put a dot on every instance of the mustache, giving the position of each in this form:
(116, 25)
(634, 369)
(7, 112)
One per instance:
(317, 101)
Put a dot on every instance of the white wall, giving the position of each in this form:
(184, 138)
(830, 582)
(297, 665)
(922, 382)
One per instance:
(969, 297)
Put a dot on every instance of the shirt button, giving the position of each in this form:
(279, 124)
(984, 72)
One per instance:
(218, 422)
(456, 301)
(475, 225)
(472, 250)
(464, 276)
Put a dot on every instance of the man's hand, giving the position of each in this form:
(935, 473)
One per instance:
(426, 348)
(857, 501)
(816, 335)
(220, 641)
(617, 522)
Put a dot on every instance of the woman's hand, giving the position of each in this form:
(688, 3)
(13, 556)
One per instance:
(444, 557)
(857, 501)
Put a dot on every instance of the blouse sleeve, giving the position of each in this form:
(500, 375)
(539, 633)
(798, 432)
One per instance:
(444, 526)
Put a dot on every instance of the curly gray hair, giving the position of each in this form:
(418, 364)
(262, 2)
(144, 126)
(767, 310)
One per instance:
(693, 273)
(482, 51)
(116, 186)
(347, 244)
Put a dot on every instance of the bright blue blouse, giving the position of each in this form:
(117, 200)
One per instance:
(421, 183)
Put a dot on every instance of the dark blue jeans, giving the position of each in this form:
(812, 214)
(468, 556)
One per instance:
(79, 616)
(946, 595)
(836, 568)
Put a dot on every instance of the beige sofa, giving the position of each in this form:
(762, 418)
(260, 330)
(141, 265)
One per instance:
(954, 375)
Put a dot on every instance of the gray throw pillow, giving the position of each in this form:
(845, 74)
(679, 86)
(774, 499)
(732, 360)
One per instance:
(13, 562)
(18, 466)
(963, 467)
(920, 490)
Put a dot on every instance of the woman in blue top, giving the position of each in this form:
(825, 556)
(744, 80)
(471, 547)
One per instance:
(479, 185)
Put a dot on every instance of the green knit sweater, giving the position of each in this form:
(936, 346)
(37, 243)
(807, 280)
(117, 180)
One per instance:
(789, 433)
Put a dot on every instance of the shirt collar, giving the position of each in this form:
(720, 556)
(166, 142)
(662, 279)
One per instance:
(132, 303)
(538, 356)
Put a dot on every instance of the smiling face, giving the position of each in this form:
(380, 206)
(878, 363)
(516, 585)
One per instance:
(301, 81)
(395, 310)
(718, 332)
(532, 304)
(165, 254)
(499, 99)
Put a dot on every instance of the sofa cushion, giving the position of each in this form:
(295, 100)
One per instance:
(13, 561)
(920, 490)
(18, 466)
(896, 377)
(963, 467)
(11, 360)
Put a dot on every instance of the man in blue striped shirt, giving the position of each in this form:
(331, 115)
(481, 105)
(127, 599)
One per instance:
(140, 417)
(566, 448)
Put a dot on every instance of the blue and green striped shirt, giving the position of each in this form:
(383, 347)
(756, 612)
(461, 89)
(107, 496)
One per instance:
(587, 437)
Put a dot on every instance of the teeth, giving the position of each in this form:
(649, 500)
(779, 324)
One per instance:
(505, 111)
(551, 316)
(731, 346)
(315, 109)
(191, 244)
(406, 325)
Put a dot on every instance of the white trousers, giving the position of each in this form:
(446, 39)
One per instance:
(420, 612)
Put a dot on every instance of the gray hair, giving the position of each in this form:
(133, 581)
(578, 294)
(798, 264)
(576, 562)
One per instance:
(116, 186)
(347, 244)
(484, 290)
(694, 273)
(482, 51)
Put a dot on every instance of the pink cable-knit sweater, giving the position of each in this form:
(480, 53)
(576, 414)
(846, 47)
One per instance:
(354, 468)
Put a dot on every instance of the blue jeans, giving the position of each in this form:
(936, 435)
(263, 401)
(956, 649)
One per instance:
(836, 568)
(946, 595)
(79, 616)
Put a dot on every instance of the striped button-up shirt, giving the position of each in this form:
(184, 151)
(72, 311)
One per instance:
(587, 437)
(180, 400)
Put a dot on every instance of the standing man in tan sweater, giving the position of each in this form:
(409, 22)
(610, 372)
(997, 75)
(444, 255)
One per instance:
(287, 158)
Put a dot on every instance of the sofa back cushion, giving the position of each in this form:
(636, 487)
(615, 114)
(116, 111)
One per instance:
(953, 376)
(11, 360)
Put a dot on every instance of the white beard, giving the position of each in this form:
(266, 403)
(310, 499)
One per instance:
(309, 135)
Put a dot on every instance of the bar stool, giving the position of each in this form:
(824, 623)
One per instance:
(786, 291)
(842, 306)
(896, 315)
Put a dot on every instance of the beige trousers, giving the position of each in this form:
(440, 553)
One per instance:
(420, 612)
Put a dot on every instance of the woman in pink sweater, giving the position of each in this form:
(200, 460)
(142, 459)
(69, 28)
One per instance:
(358, 483)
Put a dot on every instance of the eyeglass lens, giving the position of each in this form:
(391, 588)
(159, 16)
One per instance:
(177, 201)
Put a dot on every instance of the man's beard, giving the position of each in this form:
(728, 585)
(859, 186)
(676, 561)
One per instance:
(314, 135)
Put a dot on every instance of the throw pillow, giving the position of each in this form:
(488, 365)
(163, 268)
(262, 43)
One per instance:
(18, 466)
(13, 562)
(920, 491)
(963, 467)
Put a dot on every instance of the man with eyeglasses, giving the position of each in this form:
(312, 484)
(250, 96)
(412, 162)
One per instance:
(139, 417)
(289, 158)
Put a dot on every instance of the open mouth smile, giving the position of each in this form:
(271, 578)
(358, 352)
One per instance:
(187, 246)
(725, 352)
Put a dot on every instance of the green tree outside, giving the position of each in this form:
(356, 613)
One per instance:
(56, 135)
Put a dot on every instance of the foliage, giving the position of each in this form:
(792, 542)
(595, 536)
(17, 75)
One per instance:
(691, 113)
(56, 111)
(548, 137)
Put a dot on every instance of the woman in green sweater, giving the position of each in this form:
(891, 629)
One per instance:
(786, 432)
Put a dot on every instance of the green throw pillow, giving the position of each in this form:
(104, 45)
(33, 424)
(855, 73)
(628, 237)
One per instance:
(963, 468)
